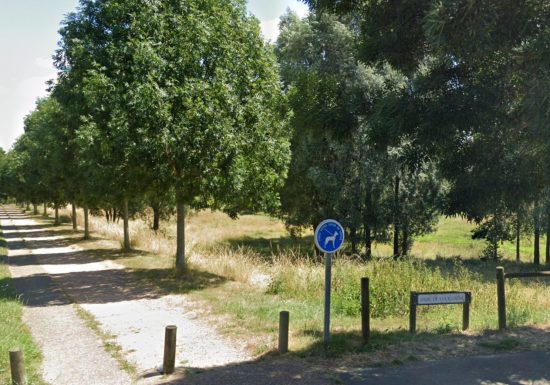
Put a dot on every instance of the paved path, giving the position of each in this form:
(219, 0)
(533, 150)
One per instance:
(49, 269)
(526, 368)
(73, 354)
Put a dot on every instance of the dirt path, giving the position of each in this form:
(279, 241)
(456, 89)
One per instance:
(73, 354)
(51, 272)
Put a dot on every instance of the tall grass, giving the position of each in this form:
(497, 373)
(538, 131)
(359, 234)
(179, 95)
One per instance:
(267, 272)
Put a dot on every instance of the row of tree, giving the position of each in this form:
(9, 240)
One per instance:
(383, 115)
(420, 108)
(158, 102)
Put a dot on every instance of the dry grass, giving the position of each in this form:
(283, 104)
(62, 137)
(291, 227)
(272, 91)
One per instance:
(265, 271)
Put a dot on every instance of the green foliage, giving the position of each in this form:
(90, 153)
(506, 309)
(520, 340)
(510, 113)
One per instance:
(477, 76)
(341, 167)
(37, 169)
(173, 99)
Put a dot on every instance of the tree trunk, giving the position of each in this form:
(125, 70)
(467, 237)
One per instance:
(86, 224)
(75, 226)
(108, 215)
(180, 237)
(56, 221)
(156, 217)
(353, 239)
(366, 226)
(396, 219)
(35, 209)
(45, 214)
(114, 215)
(126, 226)
(28, 208)
(405, 241)
(547, 238)
(536, 225)
(518, 235)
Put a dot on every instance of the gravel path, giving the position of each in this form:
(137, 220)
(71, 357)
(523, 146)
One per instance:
(48, 269)
(73, 354)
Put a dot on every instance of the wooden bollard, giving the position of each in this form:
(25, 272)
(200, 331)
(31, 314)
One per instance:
(17, 367)
(365, 310)
(169, 362)
(466, 315)
(284, 318)
(501, 298)
(412, 314)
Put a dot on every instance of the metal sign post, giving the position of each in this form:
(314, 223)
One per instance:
(329, 238)
(328, 280)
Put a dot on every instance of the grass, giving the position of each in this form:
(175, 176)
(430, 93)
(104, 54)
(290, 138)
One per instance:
(506, 344)
(13, 332)
(248, 270)
(108, 340)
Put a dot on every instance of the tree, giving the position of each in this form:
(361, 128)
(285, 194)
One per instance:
(475, 103)
(185, 90)
(339, 167)
(95, 61)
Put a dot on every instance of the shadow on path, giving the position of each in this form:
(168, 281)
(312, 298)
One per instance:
(85, 276)
(278, 371)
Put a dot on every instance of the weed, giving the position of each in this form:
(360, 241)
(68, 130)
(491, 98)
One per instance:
(501, 345)
(108, 340)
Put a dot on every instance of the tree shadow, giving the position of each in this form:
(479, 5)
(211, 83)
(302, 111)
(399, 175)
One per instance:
(171, 282)
(24, 227)
(348, 361)
(271, 369)
(79, 257)
(290, 247)
(39, 234)
(40, 244)
(34, 291)
(73, 275)
(484, 270)
(77, 275)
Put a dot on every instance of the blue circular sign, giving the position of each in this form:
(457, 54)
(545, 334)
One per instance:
(329, 236)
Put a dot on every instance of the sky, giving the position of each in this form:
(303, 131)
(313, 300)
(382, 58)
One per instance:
(28, 39)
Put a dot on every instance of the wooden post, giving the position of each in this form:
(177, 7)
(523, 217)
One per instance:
(466, 313)
(17, 367)
(283, 331)
(169, 361)
(501, 298)
(365, 310)
(412, 314)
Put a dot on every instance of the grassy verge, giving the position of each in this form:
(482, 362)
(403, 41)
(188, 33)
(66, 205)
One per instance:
(13, 333)
(108, 341)
(247, 271)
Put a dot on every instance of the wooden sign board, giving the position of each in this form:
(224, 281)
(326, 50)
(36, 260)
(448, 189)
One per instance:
(440, 298)
(447, 298)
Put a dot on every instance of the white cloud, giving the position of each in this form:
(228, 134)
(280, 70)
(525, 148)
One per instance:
(44, 63)
(270, 29)
(16, 102)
